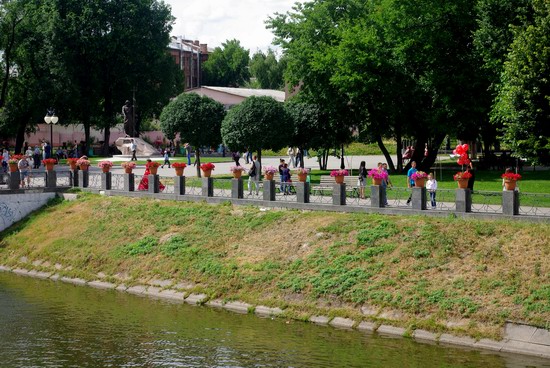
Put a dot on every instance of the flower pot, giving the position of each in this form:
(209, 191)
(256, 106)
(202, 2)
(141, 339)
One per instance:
(206, 173)
(339, 179)
(237, 174)
(84, 167)
(420, 183)
(13, 167)
(179, 171)
(376, 181)
(510, 184)
(268, 176)
(462, 183)
(302, 177)
(128, 170)
(72, 165)
(49, 167)
(105, 169)
(153, 170)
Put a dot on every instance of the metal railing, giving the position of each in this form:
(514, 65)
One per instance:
(531, 204)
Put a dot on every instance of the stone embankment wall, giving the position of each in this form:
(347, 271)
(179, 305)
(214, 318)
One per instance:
(15, 207)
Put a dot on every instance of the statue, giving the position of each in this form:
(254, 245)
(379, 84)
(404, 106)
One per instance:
(128, 115)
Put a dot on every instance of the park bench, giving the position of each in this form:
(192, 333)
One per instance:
(326, 183)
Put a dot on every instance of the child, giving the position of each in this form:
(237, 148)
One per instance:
(431, 187)
(166, 159)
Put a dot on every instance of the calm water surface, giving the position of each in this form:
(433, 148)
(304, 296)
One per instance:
(48, 324)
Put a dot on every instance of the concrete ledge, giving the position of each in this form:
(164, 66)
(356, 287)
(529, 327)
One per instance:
(320, 320)
(172, 295)
(267, 311)
(196, 299)
(160, 283)
(238, 307)
(55, 277)
(121, 287)
(519, 347)
(40, 275)
(424, 335)
(74, 281)
(217, 303)
(5, 269)
(136, 290)
(367, 326)
(342, 322)
(153, 291)
(98, 284)
(391, 330)
(456, 340)
(489, 344)
(21, 272)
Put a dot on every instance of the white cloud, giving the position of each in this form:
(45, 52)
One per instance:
(215, 21)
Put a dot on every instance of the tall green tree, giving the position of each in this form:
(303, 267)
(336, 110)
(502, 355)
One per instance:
(227, 66)
(523, 102)
(197, 120)
(267, 70)
(256, 123)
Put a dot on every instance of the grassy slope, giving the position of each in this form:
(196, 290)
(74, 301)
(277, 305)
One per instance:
(432, 270)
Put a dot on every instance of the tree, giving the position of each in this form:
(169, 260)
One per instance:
(310, 130)
(197, 120)
(256, 123)
(523, 102)
(227, 66)
(267, 70)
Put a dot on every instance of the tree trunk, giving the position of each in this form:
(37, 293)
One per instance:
(86, 138)
(20, 138)
(385, 152)
(260, 159)
(399, 149)
(106, 137)
(301, 154)
(198, 162)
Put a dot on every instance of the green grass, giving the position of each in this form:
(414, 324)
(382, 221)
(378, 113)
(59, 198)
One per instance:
(431, 269)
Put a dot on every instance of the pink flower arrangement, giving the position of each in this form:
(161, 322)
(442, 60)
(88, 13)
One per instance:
(419, 175)
(128, 165)
(270, 170)
(234, 169)
(103, 164)
(83, 162)
(378, 174)
(301, 171)
(334, 173)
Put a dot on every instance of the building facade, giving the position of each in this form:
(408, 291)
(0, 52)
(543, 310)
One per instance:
(189, 56)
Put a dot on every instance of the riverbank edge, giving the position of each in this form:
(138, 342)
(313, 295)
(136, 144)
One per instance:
(519, 338)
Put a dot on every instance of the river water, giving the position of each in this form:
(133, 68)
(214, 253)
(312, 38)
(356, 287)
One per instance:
(49, 324)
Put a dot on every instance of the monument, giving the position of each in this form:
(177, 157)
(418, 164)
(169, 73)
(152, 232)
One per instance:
(143, 148)
(129, 119)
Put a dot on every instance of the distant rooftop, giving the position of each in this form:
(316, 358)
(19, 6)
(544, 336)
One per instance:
(247, 92)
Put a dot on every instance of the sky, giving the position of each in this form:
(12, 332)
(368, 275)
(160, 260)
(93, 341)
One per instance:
(215, 21)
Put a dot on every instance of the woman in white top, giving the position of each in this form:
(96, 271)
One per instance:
(431, 187)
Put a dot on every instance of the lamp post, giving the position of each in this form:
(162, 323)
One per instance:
(51, 119)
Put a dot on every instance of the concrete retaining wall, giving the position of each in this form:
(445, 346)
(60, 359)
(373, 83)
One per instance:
(15, 207)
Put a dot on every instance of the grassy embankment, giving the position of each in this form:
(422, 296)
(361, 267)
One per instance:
(476, 273)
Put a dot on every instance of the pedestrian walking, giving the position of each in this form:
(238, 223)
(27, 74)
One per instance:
(133, 149)
(166, 159)
(254, 175)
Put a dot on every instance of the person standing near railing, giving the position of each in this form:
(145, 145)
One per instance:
(254, 175)
(431, 187)
(410, 181)
(24, 167)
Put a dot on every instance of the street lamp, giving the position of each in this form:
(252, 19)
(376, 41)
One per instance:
(50, 118)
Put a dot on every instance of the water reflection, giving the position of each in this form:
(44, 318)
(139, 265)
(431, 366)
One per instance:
(47, 324)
